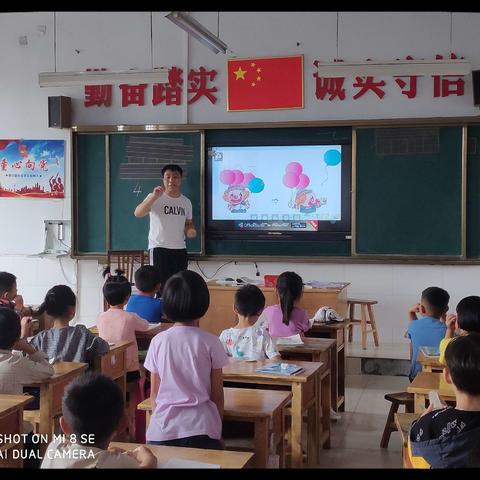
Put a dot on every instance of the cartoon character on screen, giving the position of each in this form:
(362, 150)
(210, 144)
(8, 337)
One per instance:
(307, 202)
(237, 198)
(240, 186)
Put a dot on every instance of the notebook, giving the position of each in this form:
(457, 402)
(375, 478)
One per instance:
(289, 341)
(280, 369)
(430, 351)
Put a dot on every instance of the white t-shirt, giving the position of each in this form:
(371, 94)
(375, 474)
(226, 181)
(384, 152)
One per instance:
(167, 222)
(251, 343)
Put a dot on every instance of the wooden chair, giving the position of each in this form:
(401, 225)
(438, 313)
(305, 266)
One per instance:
(366, 318)
(397, 399)
(127, 260)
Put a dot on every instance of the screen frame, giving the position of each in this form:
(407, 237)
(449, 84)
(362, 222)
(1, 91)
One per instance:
(225, 229)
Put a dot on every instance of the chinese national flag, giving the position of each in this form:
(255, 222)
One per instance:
(265, 83)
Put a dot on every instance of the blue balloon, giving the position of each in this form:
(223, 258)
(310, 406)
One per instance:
(332, 157)
(256, 185)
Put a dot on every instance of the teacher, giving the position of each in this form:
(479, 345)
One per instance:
(170, 220)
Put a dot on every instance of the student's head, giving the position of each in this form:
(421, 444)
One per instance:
(289, 290)
(468, 314)
(172, 177)
(462, 357)
(9, 328)
(435, 301)
(60, 302)
(8, 286)
(249, 301)
(147, 279)
(185, 297)
(92, 405)
(117, 288)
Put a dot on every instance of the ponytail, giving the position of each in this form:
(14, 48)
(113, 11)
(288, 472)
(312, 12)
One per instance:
(57, 302)
(289, 289)
(117, 288)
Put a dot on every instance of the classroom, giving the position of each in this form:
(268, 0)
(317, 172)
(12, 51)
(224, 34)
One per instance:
(342, 146)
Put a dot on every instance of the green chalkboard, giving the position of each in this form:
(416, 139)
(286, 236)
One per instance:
(408, 187)
(131, 171)
(473, 192)
(90, 194)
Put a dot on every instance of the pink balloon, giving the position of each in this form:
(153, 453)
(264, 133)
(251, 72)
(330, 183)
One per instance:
(238, 177)
(246, 178)
(294, 167)
(304, 181)
(291, 179)
(227, 177)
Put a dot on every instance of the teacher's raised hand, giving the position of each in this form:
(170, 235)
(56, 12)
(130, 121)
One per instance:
(158, 191)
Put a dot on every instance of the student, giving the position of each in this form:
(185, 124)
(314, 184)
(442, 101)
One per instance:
(16, 369)
(64, 342)
(144, 304)
(93, 411)
(116, 325)
(9, 296)
(285, 318)
(170, 221)
(428, 330)
(186, 370)
(466, 320)
(447, 437)
(246, 341)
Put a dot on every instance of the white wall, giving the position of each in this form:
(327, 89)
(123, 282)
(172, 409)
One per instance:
(121, 40)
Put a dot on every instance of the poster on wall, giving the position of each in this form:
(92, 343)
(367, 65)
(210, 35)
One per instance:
(32, 168)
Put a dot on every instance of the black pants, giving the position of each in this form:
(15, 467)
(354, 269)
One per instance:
(169, 261)
(197, 441)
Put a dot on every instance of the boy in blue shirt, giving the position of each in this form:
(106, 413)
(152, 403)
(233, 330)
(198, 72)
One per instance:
(147, 281)
(429, 329)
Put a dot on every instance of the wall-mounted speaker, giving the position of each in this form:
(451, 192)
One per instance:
(59, 112)
(476, 87)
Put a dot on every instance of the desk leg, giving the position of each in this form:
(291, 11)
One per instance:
(261, 442)
(325, 408)
(340, 402)
(281, 447)
(313, 426)
(296, 430)
(426, 368)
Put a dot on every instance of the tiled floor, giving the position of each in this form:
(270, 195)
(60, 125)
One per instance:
(356, 437)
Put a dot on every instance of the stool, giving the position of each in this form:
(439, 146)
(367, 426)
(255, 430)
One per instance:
(365, 306)
(397, 399)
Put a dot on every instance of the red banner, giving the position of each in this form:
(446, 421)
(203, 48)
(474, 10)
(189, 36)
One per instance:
(265, 83)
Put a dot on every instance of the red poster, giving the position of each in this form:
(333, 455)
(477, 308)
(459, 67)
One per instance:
(265, 83)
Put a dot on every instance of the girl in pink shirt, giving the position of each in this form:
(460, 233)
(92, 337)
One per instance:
(286, 319)
(116, 325)
(186, 364)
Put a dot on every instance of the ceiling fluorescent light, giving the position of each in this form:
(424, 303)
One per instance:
(394, 68)
(102, 77)
(197, 30)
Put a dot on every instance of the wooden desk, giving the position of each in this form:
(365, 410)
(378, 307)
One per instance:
(318, 350)
(305, 388)
(144, 338)
(224, 458)
(423, 383)
(403, 421)
(11, 422)
(336, 331)
(220, 315)
(51, 393)
(429, 364)
(264, 408)
(113, 364)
